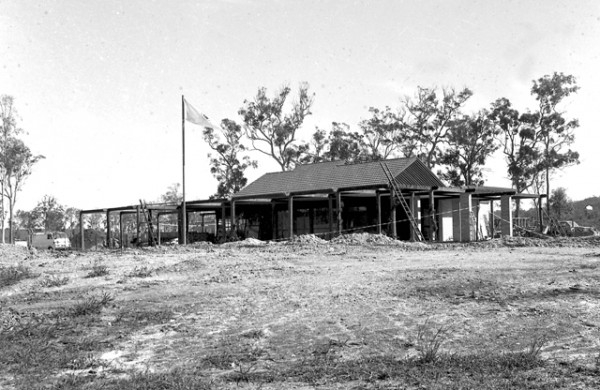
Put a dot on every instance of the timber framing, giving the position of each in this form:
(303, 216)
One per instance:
(332, 198)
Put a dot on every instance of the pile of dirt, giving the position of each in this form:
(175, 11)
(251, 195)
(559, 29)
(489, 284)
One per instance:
(308, 239)
(253, 242)
(362, 238)
(245, 243)
(516, 242)
(379, 239)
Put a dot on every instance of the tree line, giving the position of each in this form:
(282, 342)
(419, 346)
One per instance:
(430, 125)
(16, 163)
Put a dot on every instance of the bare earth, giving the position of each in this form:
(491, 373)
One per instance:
(294, 316)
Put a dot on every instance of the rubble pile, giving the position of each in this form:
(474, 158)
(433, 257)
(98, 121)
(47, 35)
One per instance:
(378, 239)
(252, 242)
(362, 238)
(548, 242)
(308, 239)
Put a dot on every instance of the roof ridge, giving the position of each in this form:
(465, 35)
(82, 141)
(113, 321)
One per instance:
(346, 162)
(374, 161)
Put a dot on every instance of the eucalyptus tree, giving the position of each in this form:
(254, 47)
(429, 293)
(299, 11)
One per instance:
(228, 162)
(17, 162)
(471, 141)
(8, 128)
(272, 131)
(426, 122)
(554, 131)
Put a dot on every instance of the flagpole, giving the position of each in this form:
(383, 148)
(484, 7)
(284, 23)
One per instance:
(183, 210)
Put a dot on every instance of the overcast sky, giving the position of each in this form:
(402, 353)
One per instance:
(98, 84)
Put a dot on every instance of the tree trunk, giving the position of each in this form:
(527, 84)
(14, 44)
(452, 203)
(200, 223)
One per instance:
(547, 190)
(2, 211)
(10, 222)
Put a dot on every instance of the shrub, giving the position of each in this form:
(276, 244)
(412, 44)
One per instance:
(54, 281)
(91, 305)
(12, 275)
(141, 272)
(97, 271)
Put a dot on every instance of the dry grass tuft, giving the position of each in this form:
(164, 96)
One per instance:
(91, 305)
(97, 271)
(54, 281)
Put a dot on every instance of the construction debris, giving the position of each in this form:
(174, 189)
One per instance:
(308, 239)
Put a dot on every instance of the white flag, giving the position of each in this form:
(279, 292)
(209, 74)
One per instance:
(196, 117)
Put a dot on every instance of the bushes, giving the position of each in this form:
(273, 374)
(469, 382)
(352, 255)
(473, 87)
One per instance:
(97, 271)
(14, 274)
(54, 281)
(91, 305)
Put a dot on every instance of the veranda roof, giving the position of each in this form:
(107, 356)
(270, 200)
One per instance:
(327, 177)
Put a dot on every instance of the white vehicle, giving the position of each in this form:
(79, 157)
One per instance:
(50, 240)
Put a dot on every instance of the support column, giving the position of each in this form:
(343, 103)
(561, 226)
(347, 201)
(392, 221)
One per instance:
(180, 226)
(202, 223)
(330, 205)
(540, 216)
(223, 217)
(506, 223)
(393, 214)
(433, 228)
(291, 215)
(466, 206)
(339, 211)
(456, 220)
(414, 209)
(121, 230)
(273, 221)
(187, 226)
(81, 231)
(137, 224)
(492, 216)
(378, 200)
(108, 229)
(158, 227)
(476, 206)
(233, 221)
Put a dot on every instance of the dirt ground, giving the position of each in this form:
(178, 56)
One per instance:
(256, 315)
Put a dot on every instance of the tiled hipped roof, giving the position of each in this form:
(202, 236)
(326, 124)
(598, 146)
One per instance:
(336, 175)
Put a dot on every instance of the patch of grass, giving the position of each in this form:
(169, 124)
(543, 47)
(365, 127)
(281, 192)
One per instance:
(489, 371)
(141, 272)
(477, 371)
(97, 271)
(40, 345)
(535, 345)
(92, 305)
(179, 379)
(14, 274)
(429, 340)
(136, 317)
(54, 281)
(85, 361)
(30, 347)
(239, 354)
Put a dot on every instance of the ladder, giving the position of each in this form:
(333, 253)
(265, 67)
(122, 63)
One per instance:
(397, 193)
(556, 228)
(148, 215)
